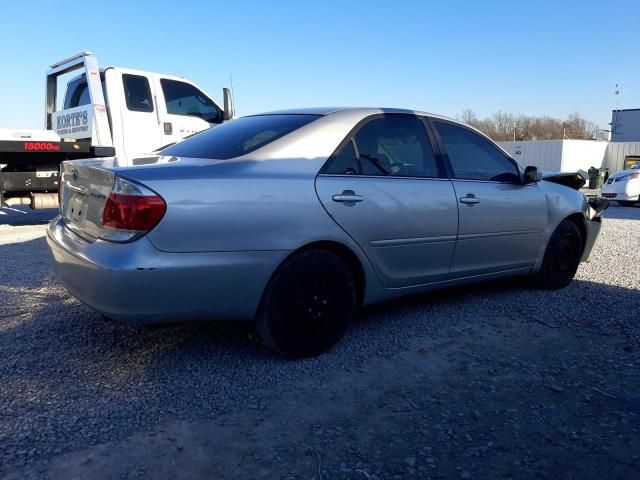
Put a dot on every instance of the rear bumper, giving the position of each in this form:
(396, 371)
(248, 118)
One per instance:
(137, 283)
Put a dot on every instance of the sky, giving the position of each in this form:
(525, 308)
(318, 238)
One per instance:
(535, 58)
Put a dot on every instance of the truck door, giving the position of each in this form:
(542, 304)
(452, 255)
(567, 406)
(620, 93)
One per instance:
(140, 125)
(185, 110)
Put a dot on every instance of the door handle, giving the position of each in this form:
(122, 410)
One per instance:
(470, 199)
(347, 196)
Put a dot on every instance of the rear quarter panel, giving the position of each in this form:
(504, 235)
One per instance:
(237, 206)
(265, 200)
(233, 206)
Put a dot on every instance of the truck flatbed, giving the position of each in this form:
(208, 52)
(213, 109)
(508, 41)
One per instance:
(29, 165)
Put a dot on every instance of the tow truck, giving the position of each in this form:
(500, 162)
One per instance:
(106, 112)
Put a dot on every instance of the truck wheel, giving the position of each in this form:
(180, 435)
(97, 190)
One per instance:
(625, 203)
(308, 304)
(561, 258)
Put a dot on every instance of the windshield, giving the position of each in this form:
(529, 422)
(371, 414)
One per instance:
(238, 137)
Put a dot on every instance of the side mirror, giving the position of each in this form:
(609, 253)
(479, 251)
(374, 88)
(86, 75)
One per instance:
(532, 175)
(228, 104)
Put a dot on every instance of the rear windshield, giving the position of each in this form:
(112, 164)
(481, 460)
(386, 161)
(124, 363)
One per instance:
(238, 137)
(77, 93)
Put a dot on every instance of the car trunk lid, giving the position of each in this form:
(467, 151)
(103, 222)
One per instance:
(84, 188)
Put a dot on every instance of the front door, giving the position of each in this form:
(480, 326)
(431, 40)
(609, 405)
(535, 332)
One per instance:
(185, 110)
(386, 190)
(502, 221)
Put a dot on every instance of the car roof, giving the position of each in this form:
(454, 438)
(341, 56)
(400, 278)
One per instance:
(305, 111)
(355, 114)
(364, 111)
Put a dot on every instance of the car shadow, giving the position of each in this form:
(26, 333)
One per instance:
(24, 216)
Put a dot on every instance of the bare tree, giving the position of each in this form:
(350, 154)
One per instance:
(468, 116)
(503, 126)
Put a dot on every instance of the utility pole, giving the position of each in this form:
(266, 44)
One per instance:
(614, 120)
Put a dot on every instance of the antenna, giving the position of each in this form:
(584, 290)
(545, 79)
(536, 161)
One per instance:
(233, 93)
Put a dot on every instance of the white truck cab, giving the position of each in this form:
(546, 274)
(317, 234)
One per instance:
(145, 110)
(105, 112)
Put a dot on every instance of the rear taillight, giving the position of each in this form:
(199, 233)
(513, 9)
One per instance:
(131, 211)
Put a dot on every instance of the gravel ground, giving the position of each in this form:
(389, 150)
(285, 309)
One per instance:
(490, 381)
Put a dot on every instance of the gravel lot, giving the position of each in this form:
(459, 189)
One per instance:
(490, 381)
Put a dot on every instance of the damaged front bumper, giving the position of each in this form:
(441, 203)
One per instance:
(596, 206)
(593, 230)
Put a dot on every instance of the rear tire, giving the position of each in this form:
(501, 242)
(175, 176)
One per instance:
(308, 304)
(626, 203)
(561, 258)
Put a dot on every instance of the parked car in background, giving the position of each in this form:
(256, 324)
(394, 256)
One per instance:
(623, 187)
(295, 219)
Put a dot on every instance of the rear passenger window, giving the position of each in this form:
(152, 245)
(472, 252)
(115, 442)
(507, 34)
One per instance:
(137, 93)
(77, 93)
(344, 162)
(396, 146)
(472, 157)
(80, 96)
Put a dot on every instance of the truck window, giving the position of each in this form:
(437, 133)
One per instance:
(137, 93)
(185, 99)
(77, 93)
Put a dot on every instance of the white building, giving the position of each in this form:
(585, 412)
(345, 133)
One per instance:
(621, 155)
(574, 155)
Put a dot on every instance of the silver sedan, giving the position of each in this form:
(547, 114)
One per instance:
(295, 219)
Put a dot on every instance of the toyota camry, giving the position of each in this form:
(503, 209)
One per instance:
(295, 219)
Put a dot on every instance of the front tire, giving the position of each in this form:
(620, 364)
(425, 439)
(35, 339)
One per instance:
(626, 203)
(308, 304)
(561, 258)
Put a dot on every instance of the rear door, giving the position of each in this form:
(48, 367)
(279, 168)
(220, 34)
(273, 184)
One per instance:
(502, 221)
(184, 109)
(385, 188)
(140, 121)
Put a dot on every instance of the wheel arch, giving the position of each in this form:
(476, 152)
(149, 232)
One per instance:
(347, 255)
(579, 221)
